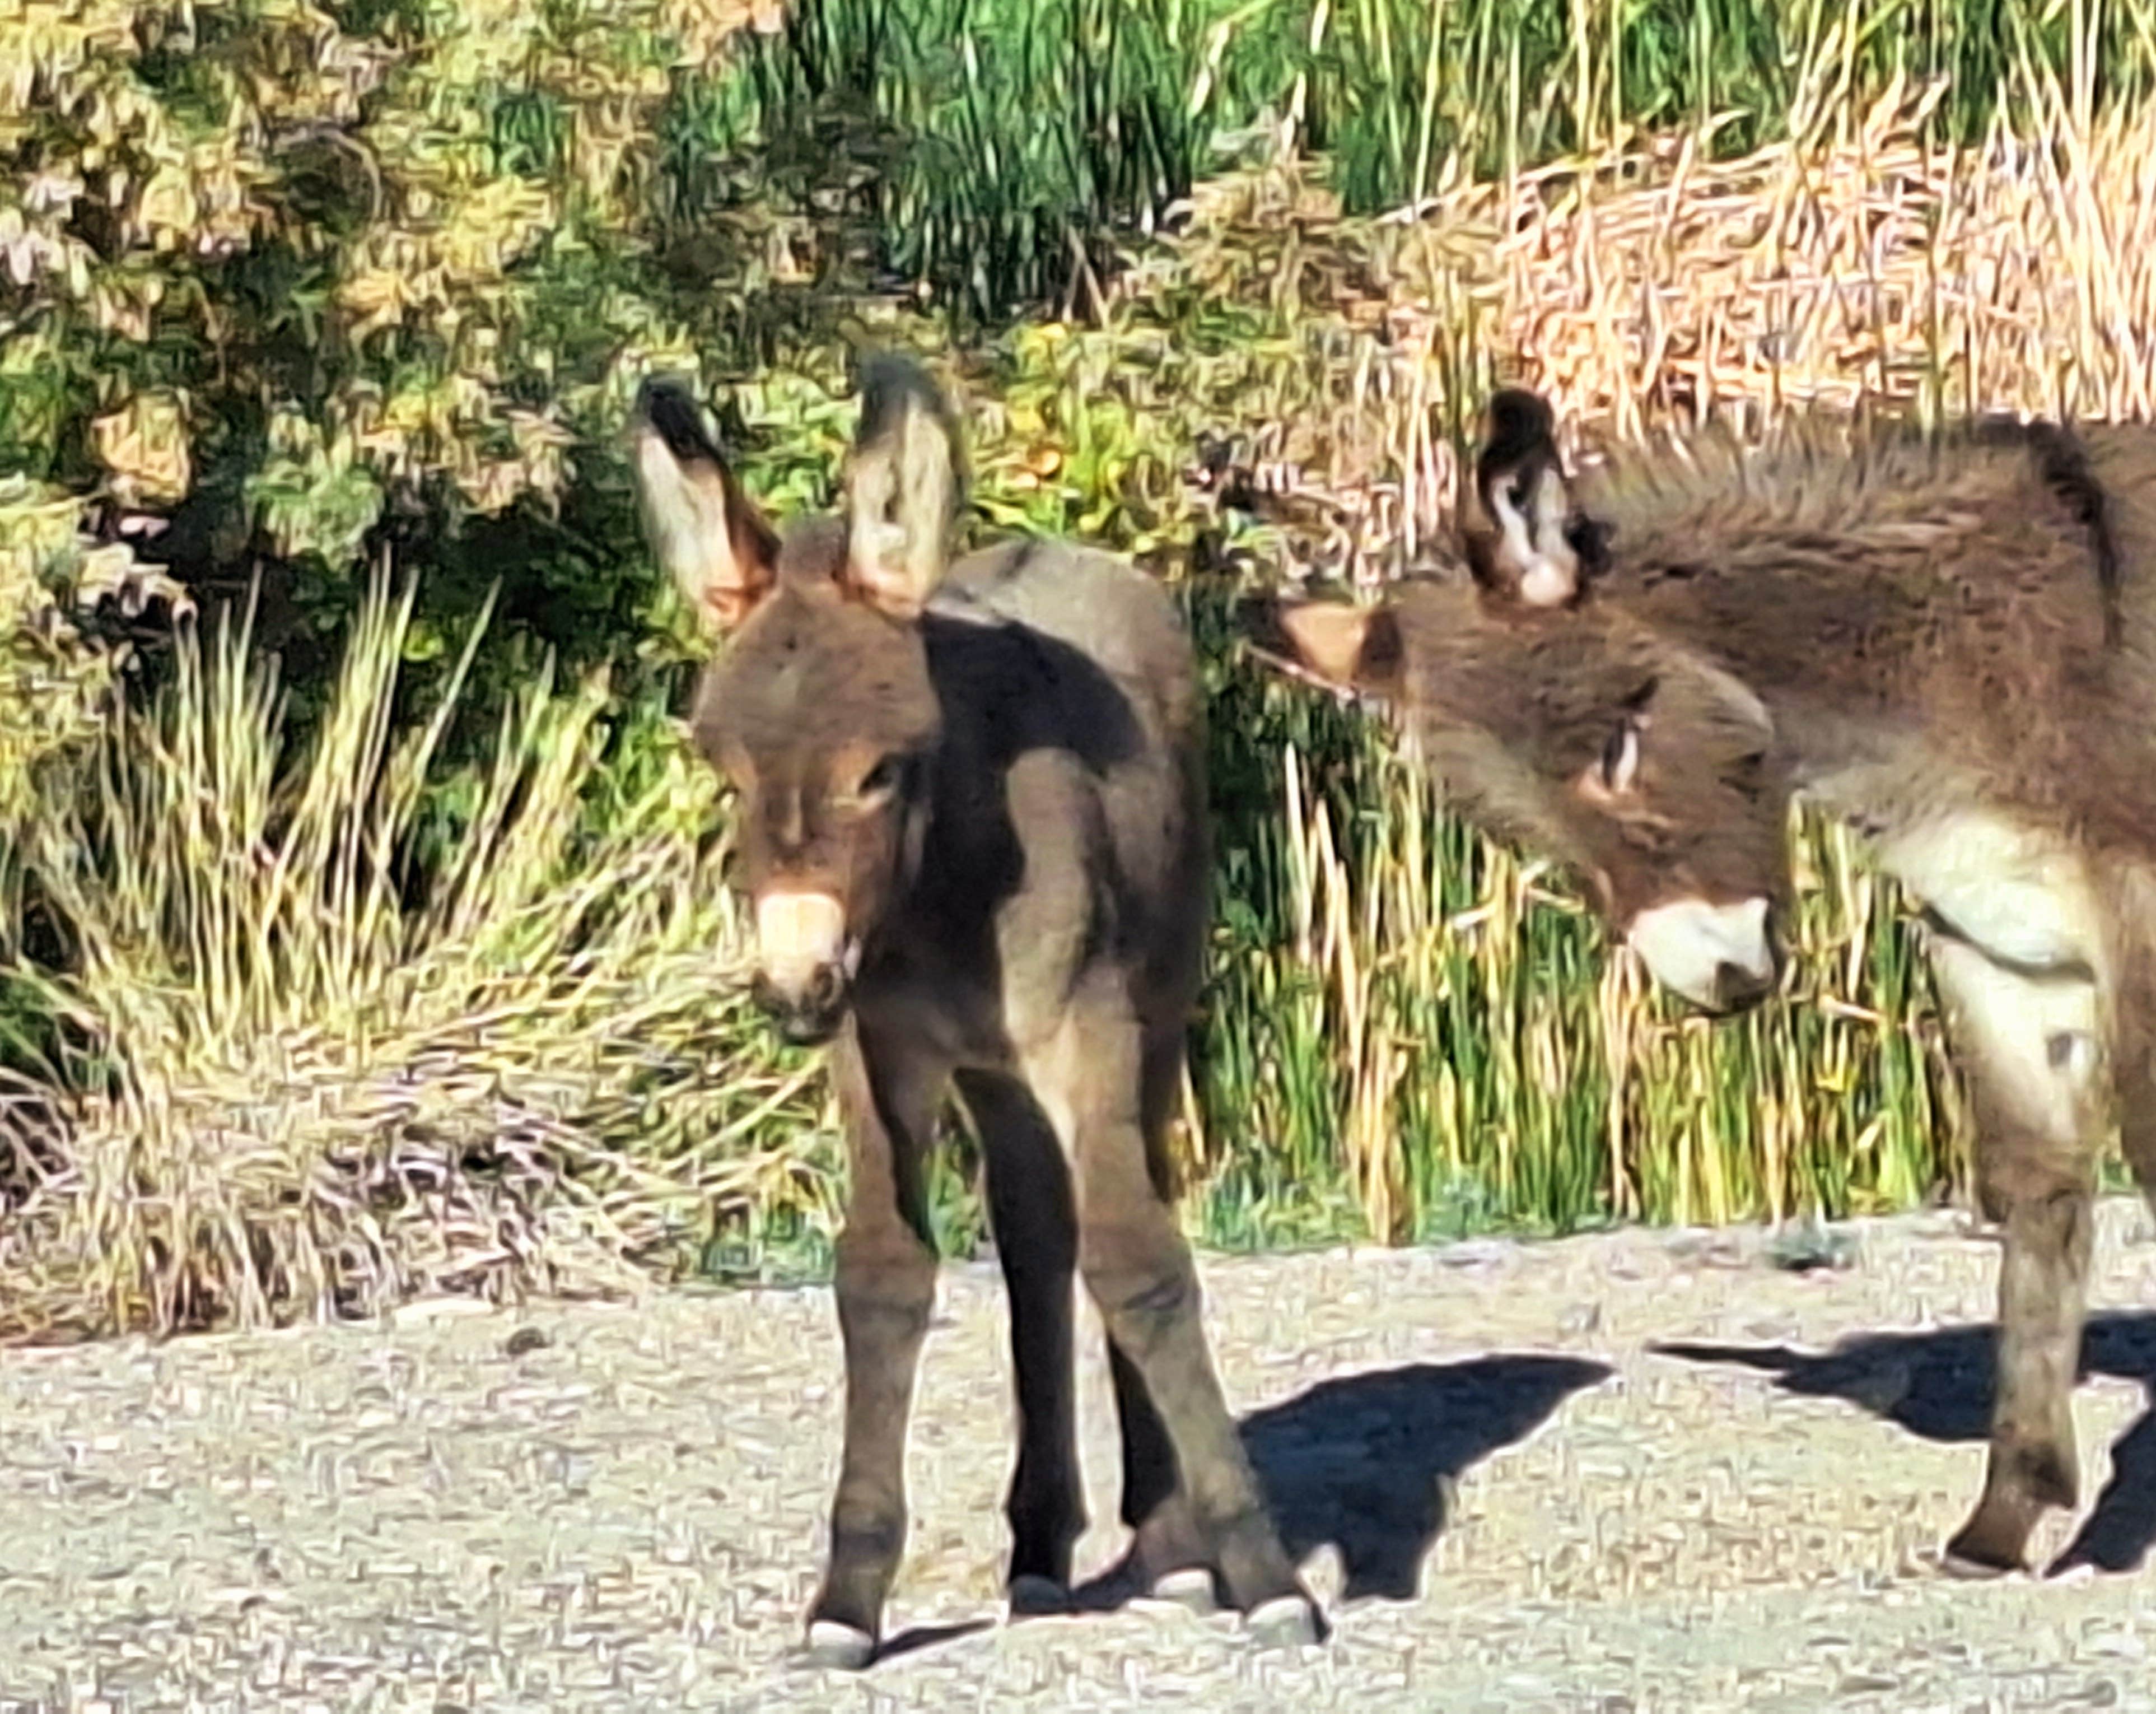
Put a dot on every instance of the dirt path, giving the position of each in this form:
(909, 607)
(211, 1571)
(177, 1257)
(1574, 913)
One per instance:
(619, 1508)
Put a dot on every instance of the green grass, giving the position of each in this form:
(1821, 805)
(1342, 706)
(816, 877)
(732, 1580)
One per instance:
(995, 150)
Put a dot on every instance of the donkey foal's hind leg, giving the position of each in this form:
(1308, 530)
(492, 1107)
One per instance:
(1140, 1272)
(886, 1286)
(2033, 1050)
(1167, 1556)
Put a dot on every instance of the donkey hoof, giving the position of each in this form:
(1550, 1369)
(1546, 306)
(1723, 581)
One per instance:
(1031, 1595)
(839, 1647)
(1191, 1588)
(1988, 1545)
(1285, 1622)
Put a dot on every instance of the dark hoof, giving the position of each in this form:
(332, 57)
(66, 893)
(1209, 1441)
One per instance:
(1285, 1622)
(838, 1647)
(2070, 1567)
(1032, 1597)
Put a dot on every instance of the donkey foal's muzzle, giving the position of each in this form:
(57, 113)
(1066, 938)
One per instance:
(810, 1017)
(805, 964)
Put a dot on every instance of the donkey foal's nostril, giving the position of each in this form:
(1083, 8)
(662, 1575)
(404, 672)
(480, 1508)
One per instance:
(826, 988)
(1738, 985)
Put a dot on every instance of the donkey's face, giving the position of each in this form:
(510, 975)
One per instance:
(819, 707)
(1648, 769)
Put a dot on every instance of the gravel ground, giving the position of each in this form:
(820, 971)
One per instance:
(1508, 1495)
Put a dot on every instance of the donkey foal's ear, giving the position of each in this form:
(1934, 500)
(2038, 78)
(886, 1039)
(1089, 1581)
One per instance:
(701, 528)
(904, 481)
(1518, 537)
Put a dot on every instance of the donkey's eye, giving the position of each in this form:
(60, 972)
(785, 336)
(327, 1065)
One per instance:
(882, 779)
(1620, 757)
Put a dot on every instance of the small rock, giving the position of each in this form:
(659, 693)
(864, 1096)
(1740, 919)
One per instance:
(1808, 1248)
(526, 1339)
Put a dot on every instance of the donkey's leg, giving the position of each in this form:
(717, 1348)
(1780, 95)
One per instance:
(1167, 1554)
(1036, 1228)
(888, 1095)
(1140, 1272)
(2033, 1050)
(2121, 1522)
(2135, 1074)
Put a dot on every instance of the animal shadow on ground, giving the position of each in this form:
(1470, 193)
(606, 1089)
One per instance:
(1366, 1462)
(1938, 1384)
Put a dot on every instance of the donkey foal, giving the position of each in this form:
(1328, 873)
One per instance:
(973, 826)
(1949, 643)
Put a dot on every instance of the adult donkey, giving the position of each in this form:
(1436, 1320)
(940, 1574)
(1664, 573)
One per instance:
(1949, 641)
(973, 825)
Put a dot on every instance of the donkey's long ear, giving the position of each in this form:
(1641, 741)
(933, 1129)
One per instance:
(702, 528)
(1350, 648)
(904, 481)
(1517, 527)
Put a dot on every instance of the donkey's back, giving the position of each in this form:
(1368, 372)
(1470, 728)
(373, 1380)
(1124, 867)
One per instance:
(1105, 610)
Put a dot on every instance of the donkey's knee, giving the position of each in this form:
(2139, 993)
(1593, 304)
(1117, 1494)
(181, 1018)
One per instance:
(1144, 1283)
(883, 1282)
(2035, 1182)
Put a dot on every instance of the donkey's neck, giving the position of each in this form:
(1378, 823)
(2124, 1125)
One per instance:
(1918, 656)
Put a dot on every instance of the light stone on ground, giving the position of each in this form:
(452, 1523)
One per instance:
(629, 1515)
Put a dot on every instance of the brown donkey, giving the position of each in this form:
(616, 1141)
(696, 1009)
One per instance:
(1948, 641)
(973, 826)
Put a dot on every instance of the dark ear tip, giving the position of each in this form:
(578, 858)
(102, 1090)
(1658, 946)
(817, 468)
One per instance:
(888, 367)
(657, 393)
(664, 404)
(1517, 412)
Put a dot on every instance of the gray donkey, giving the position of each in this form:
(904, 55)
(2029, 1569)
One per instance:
(973, 831)
(1947, 640)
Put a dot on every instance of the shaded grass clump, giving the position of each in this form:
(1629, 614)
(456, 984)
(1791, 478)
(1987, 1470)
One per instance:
(300, 1075)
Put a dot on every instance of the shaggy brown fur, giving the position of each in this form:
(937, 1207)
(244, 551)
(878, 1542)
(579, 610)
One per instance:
(1949, 640)
(972, 816)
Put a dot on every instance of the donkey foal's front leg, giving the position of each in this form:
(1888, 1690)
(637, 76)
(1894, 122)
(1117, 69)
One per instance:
(885, 1287)
(1036, 1230)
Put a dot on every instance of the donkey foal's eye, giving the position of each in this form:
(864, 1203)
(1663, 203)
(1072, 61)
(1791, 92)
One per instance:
(880, 779)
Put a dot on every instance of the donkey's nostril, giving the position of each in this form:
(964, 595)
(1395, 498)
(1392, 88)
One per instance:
(826, 988)
(1738, 988)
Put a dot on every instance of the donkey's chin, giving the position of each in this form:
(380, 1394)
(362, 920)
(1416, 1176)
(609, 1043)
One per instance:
(806, 1018)
(1722, 958)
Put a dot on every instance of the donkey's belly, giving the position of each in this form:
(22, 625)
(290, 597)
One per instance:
(2021, 898)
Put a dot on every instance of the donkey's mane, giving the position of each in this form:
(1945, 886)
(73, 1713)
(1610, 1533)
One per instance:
(1816, 478)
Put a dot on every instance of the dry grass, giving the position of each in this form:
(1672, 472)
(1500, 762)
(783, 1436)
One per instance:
(1854, 268)
(311, 1091)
